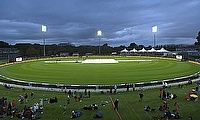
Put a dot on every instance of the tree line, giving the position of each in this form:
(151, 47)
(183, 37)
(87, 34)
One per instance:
(37, 50)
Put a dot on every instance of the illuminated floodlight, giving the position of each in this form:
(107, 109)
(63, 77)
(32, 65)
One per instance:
(99, 33)
(44, 28)
(154, 29)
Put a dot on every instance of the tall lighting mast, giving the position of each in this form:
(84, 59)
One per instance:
(99, 34)
(154, 30)
(44, 29)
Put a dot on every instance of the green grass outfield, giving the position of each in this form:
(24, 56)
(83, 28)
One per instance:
(78, 73)
(129, 106)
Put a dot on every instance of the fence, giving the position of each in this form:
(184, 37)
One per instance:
(96, 88)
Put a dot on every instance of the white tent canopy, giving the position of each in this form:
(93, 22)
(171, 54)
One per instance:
(152, 50)
(133, 50)
(143, 50)
(162, 50)
(124, 50)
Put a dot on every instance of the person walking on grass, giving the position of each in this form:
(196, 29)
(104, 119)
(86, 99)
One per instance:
(26, 97)
(64, 109)
(116, 104)
(160, 94)
(32, 95)
(141, 96)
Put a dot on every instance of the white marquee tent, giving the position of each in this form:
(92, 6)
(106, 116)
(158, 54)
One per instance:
(124, 50)
(143, 50)
(162, 50)
(133, 50)
(152, 50)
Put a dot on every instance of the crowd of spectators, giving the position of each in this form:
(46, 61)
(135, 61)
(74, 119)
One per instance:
(165, 95)
(8, 108)
(36, 110)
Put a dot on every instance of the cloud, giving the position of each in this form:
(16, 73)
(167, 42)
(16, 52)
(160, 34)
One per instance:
(122, 22)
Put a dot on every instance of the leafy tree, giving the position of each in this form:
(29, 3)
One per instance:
(198, 39)
(132, 45)
(32, 52)
(4, 44)
(22, 47)
(106, 50)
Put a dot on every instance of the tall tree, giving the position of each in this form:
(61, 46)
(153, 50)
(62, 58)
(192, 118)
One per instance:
(3, 44)
(132, 45)
(198, 39)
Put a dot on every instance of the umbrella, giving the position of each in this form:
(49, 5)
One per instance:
(193, 95)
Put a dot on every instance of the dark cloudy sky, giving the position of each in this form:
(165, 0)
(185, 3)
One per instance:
(121, 21)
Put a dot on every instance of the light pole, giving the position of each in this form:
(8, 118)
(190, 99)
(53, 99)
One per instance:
(154, 30)
(99, 34)
(44, 29)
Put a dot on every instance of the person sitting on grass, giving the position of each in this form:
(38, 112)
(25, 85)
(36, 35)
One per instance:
(21, 99)
(53, 100)
(75, 114)
(176, 107)
(167, 114)
(91, 107)
(161, 108)
(147, 108)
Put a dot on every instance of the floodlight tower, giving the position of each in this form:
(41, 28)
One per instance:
(99, 34)
(154, 30)
(44, 29)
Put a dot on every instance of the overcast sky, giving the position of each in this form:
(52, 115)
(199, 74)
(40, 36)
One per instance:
(121, 21)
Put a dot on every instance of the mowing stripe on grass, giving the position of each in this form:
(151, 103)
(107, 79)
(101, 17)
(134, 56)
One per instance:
(108, 74)
(115, 109)
(132, 109)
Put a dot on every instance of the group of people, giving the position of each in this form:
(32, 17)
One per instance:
(31, 112)
(165, 94)
(53, 100)
(192, 95)
(77, 96)
(6, 107)
(90, 107)
(75, 114)
(167, 113)
(10, 109)
(24, 98)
